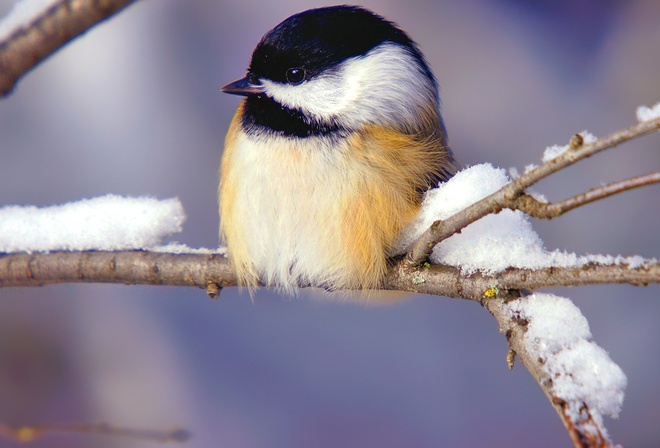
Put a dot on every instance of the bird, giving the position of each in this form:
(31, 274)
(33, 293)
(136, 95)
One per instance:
(330, 152)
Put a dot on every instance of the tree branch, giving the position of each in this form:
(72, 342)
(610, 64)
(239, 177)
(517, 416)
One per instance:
(214, 271)
(122, 267)
(586, 431)
(448, 280)
(64, 21)
(507, 196)
(197, 270)
(26, 434)
(537, 209)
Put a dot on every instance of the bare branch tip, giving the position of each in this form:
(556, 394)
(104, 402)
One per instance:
(576, 141)
(179, 435)
(213, 290)
(510, 358)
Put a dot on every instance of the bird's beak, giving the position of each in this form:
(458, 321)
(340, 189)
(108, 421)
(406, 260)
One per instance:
(243, 86)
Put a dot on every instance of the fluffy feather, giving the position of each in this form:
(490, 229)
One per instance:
(320, 211)
(322, 170)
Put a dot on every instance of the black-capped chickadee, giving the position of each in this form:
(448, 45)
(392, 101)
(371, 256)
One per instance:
(330, 152)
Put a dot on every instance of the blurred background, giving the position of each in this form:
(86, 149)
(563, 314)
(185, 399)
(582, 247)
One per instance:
(134, 108)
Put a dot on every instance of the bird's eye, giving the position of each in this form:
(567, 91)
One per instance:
(295, 75)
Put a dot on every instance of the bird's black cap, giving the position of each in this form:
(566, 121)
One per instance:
(318, 39)
(305, 45)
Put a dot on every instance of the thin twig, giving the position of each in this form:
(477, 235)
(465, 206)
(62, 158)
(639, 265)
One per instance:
(58, 25)
(541, 210)
(507, 196)
(25, 434)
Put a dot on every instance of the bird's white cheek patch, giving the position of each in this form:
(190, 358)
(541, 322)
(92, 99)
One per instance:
(384, 86)
(325, 96)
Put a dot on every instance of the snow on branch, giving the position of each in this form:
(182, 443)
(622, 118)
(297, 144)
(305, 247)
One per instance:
(507, 197)
(104, 223)
(552, 339)
(645, 113)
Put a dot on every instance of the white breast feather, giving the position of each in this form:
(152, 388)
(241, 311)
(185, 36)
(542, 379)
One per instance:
(305, 179)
